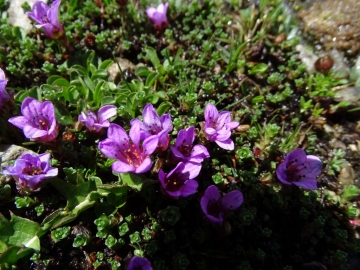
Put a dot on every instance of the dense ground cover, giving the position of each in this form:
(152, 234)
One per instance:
(102, 187)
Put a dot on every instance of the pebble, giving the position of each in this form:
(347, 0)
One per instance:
(125, 64)
(350, 94)
(347, 174)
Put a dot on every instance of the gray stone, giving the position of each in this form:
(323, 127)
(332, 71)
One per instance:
(125, 64)
(350, 94)
(347, 174)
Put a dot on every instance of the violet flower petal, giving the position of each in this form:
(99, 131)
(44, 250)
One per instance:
(190, 187)
(38, 12)
(150, 11)
(211, 113)
(106, 112)
(223, 135)
(212, 193)
(307, 183)
(232, 125)
(139, 263)
(109, 148)
(118, 134)
(297, 157)
(224, 117)
(227, 144)
(19, 121)
(149, 145)
(190, 170)
(144, 166)
(151, 118)
(281, 173)
(134, 133)
(32, 132)
(122, 167)
(232, 200)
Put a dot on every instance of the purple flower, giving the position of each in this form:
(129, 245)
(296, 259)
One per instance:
(158, 16)
(183, 149)
(155, 125)
(215, 207)
(38, 121)
(179, 182)
(95, 122)
(48, 18)
(130, 155)
(218, 127)
(29, 170)
(139, 263)
(4, 96)
(299, 169)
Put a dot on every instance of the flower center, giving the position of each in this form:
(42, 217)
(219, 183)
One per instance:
(45, 19)
(41, 122)
(173, 183)
(133, 155)
(185, 150)
(216, 124)
(31, 170)
(293, 172)
(154, 129)
(214, 208)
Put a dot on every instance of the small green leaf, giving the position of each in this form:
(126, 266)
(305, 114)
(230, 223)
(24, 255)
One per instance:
(19, 231)
(63, 116)
(142, 71)
(349, 192)
(134, 181)
(258, 69)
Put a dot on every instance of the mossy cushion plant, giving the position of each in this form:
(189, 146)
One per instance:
(204, 151)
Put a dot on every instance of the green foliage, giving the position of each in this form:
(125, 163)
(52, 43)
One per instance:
(60, 233)
(19, 237)
(21, 202)
(336, 161)
(171, 215)
(231, 60)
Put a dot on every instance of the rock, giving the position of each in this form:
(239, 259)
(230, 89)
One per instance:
(17, 15)
(334, 24)
(307, 57)
(347, 174)
(339, 66)
(336, 144)
(350, 94)
(125, 65)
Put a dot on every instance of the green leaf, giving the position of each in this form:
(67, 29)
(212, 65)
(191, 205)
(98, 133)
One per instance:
(61, 82)
(132, 180)
(150, 80)
(53, 78)
(98, 93)
(154, 59)
(99, 74)
(79, 69)
(349, 192)
(142, 71)
(78, 196)
(14, 253)
(258, 69)
(19, 232)
(63, 116)
(105, 65)
(107, 100)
